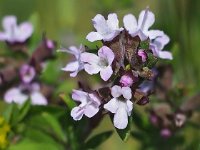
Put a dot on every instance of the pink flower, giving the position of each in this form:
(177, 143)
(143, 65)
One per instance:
(89, 104)
(120, 105)
(13, 32)
(77, 65)
(143, 55)
(27, 73)
(101, 63)
(157, 46)
(23, 92)
(106, 29)
(141, 27)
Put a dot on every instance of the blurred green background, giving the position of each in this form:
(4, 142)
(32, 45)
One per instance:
(69, 21)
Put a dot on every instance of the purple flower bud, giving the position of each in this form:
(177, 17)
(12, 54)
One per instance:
(50, 44)
(126, 80)
(143, 55)
(27, 73)
(165, 133)
(143, 101)
(154, 118)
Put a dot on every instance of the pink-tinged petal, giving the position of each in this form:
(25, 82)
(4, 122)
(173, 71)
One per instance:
(112, 105)
(165, 55)
(146, 20)
(116, 91)
(15, 95)
(126, 92)
(38, 99)
(94, 36)
(27, 73)
(129, 107)
(130, 23)
(77, 113)
(79, 96)
(9, 22)
(155, 33)
(91, 110)
(25, 31)
(113, 21)
(92, 69)
(143, 55)
(95, 99)
(106, 73)
(90, 58)
(106, 53)
(161, 41)
(72, 66)
(121, 118)
(3, 36)
(100, 23)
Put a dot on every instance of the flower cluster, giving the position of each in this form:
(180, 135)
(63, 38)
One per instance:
(125, 62)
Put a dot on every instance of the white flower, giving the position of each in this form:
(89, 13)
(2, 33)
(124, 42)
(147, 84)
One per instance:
(157, 46)
(141, 27)
(75, 66)
(101, 63)
(89, 104)
(106, 29)
(23, 92)
(13, 32)
(120, 105)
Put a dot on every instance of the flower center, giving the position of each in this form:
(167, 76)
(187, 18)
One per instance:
(103, 63)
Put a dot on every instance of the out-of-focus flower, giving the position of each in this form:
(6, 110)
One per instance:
(89, 104)
(120, 105)
(141, 27)
(101, 63)
(157, 46)
(106, 29)
(75, 66)
(4, 130)
(14, 33)
(165, 133)
(27, 73)
(23, 92)
(143, 55)
(126, 80)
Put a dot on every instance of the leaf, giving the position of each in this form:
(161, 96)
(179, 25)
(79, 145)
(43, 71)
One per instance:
(71, 104)
(54, 124)
(98, 139)
(7, 114)
(24, 110)
(125, 133)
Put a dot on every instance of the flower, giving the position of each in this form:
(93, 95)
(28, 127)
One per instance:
(106, 29)
(143, 55)
(75, 66)
(27, 73)
(24, 91)
(89, 104)
(157, 46)
(120, 105)
(101, 63)
(141, 27)
(13, 32)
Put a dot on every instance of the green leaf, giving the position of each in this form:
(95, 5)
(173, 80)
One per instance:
(24, 110)
(125, 133)
(54, 124)
(98, 139)
(7, 114)
(70, 103)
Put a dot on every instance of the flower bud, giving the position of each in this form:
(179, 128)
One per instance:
(27, 73)
(143, 101)
(126, 80)
(165, 133)
(143, 55)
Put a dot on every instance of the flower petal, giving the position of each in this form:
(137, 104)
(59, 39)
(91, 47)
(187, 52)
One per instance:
(155, 33)
(106, 73)
(121, 118)
(92, 69)
(77, 113)
(165, 55)
(106, 53)
(3, 36)
(112, 105)
(9, 22)
(91, 110)
(38, 99)
(100, 24)
(146, 20)
(72, 67)
(113, 21)
(25, 31)
(130, 23)
(15, 95)
(129, 107)
(79, 96)
(126, 91)
(116, 91)
(90, 58)
(94, 36)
